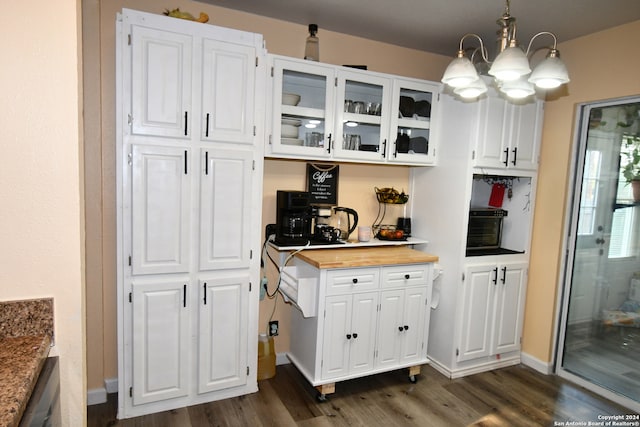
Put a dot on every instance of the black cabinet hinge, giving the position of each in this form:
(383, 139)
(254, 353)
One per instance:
(129, 39)
(129, 260)
(130, 391)
(247, 371)
(249, 286)
(130, 297)
(256, 61)
(457, 352)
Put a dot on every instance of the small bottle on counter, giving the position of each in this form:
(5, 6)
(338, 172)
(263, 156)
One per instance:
(312, 47)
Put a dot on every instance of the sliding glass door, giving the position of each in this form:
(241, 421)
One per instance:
(599, 340)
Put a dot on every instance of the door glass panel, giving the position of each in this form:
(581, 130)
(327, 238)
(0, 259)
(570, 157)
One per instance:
(600, 337)
(303, 119)
(361, 117)
(414, 122)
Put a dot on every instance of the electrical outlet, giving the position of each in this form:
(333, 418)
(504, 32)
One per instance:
(273, 328)
(269, 230)
(263, 288)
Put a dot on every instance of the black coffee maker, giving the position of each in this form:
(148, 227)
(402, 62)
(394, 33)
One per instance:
(293, 218)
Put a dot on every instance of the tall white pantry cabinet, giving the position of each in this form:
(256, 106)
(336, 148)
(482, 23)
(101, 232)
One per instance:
(189, 192)
(478, 301)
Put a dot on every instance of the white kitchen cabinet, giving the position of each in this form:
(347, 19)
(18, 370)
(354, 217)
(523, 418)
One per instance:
(349, 334)
(508, 135)
(228, 92)
(160, 81)
(225, 219)
(160, 341)
(160, 200)
(315, 84)
(414, 102)
(475, 326)
(492, 310)
(346, 114)
(369, 319)
(189, 181)
(222, 321)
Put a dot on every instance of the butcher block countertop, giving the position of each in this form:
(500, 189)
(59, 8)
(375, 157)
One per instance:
(26, 333)
(364, 257)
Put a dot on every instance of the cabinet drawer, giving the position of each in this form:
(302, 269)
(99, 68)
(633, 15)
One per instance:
(405, 275)
(352, 280)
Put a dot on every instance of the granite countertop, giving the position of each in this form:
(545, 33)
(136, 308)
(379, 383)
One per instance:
(26, 334)
(361, 257)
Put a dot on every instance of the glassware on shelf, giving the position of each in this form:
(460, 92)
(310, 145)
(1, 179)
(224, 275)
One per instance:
(312, 47)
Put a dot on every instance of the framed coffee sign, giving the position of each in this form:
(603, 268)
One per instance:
(322, 184)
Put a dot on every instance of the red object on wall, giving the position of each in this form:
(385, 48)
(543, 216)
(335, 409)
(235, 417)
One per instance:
(497, 195)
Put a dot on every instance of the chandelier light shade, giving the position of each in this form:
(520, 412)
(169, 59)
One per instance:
(460, 72)
(550, 73)
(472, 90)
(512, 74)
(510, 64)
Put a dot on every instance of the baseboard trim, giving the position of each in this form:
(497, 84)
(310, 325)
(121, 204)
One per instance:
(96, 396)
(475, 369)
(536, 364)
(282, 359)
(111, 384)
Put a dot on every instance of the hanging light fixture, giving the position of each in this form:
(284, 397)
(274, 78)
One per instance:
(510, 69)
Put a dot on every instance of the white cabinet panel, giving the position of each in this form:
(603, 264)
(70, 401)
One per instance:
(509, 311)
(160, 329)
(363, 327)
(390, 327)
(492, 310)
(415, 311)
(161, 194)
(335, 348)
(225, 195)
(479, 287)
(161, 82)
(228, 80)
(222, 340)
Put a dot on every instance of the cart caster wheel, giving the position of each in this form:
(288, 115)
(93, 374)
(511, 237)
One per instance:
(413, 379)
(321, 397)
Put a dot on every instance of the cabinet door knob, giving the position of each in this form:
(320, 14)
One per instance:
(355, 336)
(400, 328)
(355, 280)
(348, 336)
(407, 276)
(406, 328)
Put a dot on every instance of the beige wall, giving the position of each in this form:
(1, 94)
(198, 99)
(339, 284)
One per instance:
(41, 220)
(602, 66)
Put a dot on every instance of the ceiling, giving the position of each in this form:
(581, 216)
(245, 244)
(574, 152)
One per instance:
(437, 25)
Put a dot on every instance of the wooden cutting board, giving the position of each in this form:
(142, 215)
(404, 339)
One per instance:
(361, 257)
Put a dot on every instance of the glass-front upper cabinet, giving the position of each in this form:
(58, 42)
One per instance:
(413, 109)
(362, 106)
(303, 108)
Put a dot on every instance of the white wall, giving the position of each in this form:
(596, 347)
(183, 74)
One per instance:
(41, 221)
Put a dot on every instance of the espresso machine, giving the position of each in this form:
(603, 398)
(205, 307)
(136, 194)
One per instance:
(293, 218)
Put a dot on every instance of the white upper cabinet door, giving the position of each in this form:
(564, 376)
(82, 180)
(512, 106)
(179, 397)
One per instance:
(509, 310)
(160, 341)
(494, 117)
(161, 196)
(303, 108)
(222, 361)
(228, 92)
(414, 107)
(161, 82)
(225, 209)
(526, 135)
(362, 101)
(508, 133)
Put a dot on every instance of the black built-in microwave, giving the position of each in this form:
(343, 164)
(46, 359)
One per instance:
(484, 231)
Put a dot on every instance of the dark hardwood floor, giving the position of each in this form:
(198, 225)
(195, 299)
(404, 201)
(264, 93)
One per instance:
(514, 396)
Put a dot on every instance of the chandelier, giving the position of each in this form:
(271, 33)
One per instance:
(510, 70)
